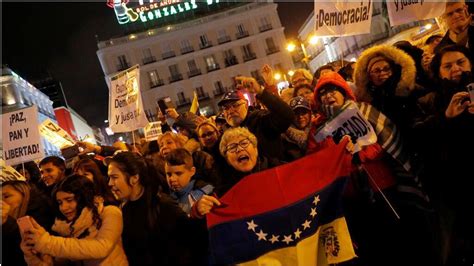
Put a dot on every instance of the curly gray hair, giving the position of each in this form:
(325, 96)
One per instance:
(233, 133)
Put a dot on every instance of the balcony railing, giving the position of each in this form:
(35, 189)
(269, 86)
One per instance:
(230, 61)
(168, 54)
(265, 27)
(203, 96)
(149, 60)
(213, 68)
(272, 50)
(223, 39)
(183, 102)
(205, 45)
(175, 77)
(249, 56)
(241, 34)
(219, 91)
(187, 50)
(194, 72)
(123, 66)
(157, 83)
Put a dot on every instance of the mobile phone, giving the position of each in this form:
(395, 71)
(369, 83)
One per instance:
(165, 103)
(70, 152)
(24, 223)
(470, 89)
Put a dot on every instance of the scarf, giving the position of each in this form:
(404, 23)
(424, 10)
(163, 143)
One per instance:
(82, 227)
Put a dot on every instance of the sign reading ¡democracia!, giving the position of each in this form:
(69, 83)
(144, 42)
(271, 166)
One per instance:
(351, 122)
(401, 12)
(125, 101)
(342, 18)
(21, 138)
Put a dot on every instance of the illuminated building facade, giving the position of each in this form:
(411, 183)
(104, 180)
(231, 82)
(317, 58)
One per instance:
(18, 93)
(201, 54)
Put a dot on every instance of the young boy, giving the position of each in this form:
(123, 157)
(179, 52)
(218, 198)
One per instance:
(180, 170)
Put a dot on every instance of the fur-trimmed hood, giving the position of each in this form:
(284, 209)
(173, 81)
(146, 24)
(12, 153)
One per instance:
(406, 82)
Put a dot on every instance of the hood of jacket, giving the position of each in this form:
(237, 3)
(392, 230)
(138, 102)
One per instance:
(405, 84)
(336, 80)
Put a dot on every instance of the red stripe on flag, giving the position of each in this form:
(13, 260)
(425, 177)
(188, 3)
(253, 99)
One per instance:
(281, 186)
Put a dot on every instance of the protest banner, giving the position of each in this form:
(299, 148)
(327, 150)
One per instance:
(125, 102)
(8, 173)
(342, 18)
(21, 138)
(401, 12)
(152, 131)
(57, 136)
(349, 121)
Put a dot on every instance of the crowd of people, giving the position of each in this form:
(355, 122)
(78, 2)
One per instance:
(406, 202)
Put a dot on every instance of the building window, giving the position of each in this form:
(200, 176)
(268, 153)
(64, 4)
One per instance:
(181, 97)
(148, 56)
(271, 47)
(204, 42)
(248, 53)
(241, 32)
(186, 47)
(222, 36)
(175, 74)
(154, 79)
(122, 63)
(200, 92)
(211, 63)
(193, 69)
(167, 51)
(219, 89)
(264, 24)
(230, 58)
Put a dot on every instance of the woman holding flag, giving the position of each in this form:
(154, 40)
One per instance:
(375, 212)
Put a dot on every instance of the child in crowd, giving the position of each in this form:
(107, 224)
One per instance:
(180, 175)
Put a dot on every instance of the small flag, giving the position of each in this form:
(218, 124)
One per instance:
(195, 105)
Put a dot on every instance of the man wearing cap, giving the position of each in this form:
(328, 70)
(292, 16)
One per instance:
(295, 138)
(266, 125)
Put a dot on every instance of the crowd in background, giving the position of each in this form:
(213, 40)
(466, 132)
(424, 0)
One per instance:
(147, 204)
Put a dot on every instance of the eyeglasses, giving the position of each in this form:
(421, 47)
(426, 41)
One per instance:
(326, 92)
(379, 71)
(208, 134)
(233, 105)
(233, 147)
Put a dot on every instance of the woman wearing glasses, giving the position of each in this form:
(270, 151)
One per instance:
(239, 147)
(385, 78)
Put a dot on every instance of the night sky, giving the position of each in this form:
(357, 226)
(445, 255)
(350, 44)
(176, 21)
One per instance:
(59, 39)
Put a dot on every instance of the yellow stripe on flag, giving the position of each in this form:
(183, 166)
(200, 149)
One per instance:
(329, 245)
(195, 105)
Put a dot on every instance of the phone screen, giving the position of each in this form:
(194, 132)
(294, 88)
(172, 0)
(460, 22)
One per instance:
(470, 89)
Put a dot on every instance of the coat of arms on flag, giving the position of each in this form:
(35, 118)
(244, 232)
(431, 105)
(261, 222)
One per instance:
(288, 215)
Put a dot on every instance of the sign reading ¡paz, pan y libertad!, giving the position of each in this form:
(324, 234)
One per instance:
(125, 102)
(21, 138)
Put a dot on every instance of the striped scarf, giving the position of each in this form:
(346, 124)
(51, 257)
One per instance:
(389, 138)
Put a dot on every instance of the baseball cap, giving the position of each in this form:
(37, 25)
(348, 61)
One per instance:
(233, 95)
(299, 102)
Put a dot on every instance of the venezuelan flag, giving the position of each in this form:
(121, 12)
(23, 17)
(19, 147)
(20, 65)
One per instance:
(288, 215)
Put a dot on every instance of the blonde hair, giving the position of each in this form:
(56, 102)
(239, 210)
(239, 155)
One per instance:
(178, 139)
(24, 189)
(207, 123)
(305, 73)
(233, 133)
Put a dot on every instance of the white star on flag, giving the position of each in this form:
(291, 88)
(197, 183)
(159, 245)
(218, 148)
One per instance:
(252, 225)
(316, 200)
(306, 224)
(297, 233)
(261, 235)
(274, 238)
(287, 239)
(313, 212)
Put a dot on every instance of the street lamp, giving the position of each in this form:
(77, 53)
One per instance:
(292, 47)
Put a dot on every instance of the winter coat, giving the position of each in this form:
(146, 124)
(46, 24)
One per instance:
(294, 143)
(268, 125)
(398, 97)
(87, 243)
